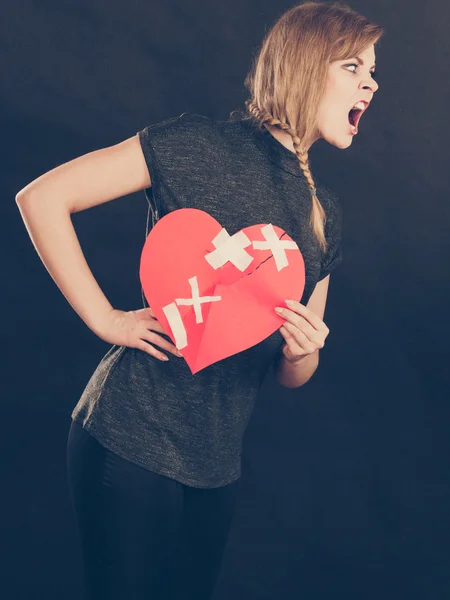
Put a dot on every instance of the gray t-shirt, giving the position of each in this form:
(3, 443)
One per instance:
(157, 414)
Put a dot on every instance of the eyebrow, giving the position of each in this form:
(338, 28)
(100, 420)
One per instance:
(361, 62)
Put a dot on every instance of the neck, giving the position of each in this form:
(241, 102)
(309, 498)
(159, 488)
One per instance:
(284, 138)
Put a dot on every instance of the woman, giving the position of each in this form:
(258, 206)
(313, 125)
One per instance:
(153, 451)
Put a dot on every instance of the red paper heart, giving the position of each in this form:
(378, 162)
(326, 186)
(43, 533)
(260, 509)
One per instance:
(173, 259)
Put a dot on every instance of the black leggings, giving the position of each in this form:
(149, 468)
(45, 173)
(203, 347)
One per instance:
(144, 536)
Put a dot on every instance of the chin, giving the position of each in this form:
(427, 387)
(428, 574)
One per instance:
(341, 142)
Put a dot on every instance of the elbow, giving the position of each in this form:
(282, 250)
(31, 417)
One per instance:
(20, 197)
(23, 196)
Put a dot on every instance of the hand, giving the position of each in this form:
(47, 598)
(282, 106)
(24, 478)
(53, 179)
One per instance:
(303, 331)
(135, 329)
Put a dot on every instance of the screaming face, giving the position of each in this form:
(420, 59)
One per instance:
(349, 91)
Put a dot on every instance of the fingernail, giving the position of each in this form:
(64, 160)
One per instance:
(289, 302)
(278, 309)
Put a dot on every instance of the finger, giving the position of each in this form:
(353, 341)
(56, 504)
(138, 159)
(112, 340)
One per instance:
(286, 334)
(298, 321)
(149, 349)
(307, 314)
(154, 338)
(291, 333)
(302, 341)
(154, 325)
(291, 343)
(309, 339)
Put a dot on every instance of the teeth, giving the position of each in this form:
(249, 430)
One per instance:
(359, 105)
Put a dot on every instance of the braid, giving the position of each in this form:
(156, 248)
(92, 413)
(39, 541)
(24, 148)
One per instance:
(317, 215)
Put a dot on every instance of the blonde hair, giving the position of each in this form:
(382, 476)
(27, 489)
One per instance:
(289, 74)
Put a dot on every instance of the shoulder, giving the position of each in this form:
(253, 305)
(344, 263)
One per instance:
(190, 131)
(174, 125)
(187, 122)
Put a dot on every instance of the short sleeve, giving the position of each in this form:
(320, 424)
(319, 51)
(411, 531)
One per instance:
(177, 155)
(333, 235)
(162, 143)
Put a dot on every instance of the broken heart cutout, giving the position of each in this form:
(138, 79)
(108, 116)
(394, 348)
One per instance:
(215, 292)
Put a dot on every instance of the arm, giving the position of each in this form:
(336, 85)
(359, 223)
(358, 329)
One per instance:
(47, 203)
(295, 374)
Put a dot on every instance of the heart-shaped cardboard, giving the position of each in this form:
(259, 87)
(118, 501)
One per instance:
(174, 253)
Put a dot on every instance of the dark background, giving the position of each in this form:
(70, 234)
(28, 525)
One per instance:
(345, 490)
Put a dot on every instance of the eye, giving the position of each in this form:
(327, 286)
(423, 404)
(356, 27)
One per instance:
(352, 65)
(373, 73)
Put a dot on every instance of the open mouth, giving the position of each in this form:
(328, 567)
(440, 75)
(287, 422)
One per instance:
(355, 113)
(354, 116)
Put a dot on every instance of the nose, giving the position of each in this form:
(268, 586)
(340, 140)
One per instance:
(370, 84)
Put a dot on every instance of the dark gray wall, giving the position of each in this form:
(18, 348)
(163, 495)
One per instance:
(345, 487)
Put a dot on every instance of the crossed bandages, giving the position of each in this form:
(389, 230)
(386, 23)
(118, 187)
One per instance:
(227, 249)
